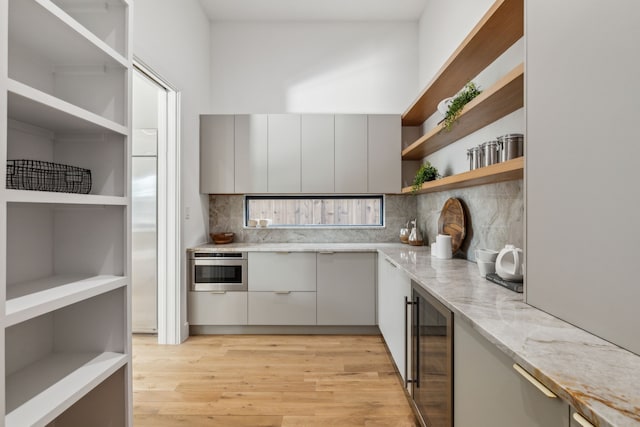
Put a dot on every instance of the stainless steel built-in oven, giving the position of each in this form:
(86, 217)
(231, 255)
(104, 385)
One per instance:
(217, 271)
(431, 359)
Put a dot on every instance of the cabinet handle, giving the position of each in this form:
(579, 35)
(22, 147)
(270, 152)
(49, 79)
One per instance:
(582, 420)
(218, 292)
(326, 252)
(407, 360)
(534, 381)
(390, 263)
(282, 292)
(283, 253)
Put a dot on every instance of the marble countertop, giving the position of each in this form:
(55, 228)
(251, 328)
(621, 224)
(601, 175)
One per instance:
(599, 379)
(297, 247)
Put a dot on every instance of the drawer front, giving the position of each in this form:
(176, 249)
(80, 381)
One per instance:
(282, 271)
(210, 308)
(291, 308)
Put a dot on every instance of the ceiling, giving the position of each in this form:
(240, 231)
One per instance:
(313, 10)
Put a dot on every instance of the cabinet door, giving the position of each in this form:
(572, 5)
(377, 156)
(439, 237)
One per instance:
(251, 153)
(488, 392)
(282, 308)
(560, 160)
(346, 289)
(282, 271)
(351, 153)
(211, 308)
(384, 154)
(318, 153)
(284, 153)
(216, 154)
(393, 287)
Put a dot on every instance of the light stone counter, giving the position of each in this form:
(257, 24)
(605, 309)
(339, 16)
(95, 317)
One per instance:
(599, 379)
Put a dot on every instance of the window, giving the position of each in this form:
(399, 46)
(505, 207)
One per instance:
(315, 211)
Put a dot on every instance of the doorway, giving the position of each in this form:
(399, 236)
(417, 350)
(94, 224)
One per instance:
(154, 204)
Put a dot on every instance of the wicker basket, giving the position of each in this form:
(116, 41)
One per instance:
(47, 176)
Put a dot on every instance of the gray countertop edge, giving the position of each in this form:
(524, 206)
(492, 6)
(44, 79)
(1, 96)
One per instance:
(599, 379)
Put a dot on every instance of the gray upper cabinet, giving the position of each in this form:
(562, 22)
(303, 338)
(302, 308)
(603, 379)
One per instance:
(351, 153)
(217, 154)
(318, 153)
(251, 146)
(284, 153)
(384, 154)
(293, 153)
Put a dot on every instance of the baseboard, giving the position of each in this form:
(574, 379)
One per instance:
(283, 330)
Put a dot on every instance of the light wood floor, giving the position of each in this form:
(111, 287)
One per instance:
(267, 380)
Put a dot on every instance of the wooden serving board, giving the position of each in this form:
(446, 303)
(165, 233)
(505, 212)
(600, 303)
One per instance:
(452, 222)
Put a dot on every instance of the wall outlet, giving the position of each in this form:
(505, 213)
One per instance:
(187, 212)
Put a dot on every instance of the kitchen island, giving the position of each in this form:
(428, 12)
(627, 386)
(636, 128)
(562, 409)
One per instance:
(599, 379)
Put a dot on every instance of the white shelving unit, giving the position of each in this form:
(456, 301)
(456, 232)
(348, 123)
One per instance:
(65, 96)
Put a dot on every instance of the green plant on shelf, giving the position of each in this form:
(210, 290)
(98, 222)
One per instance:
(427, 172)
(469, 92)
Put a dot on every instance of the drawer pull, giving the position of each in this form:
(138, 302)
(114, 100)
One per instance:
(582, 420)
(283, 253)
(534, 381)
(282, 292)
(390, 263)
(218, 292)
(326, 252)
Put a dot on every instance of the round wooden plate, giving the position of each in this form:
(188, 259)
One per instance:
(451, 222)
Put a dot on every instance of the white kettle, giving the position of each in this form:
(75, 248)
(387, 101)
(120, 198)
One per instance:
(509, 263)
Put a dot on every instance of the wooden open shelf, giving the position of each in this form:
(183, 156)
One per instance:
(504, 97)
(505, 171)
(498, 29)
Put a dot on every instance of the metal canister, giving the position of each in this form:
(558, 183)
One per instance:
(511, 146)
(474, 155)
(490, 153)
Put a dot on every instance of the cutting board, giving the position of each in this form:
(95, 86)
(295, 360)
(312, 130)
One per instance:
(452, 222)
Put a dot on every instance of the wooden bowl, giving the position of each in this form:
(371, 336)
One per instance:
(222, 238)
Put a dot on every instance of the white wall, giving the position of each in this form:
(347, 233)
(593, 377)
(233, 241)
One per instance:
(172, 38)
(313, 67)
(442, 27)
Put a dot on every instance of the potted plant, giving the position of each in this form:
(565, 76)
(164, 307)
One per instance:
(427, 172)
(469, 92)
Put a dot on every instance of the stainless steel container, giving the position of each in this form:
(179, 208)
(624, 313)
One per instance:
(490, 153)
(511, 146)
(475, 157)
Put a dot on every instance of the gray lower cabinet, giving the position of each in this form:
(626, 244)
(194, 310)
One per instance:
(282, 308)
(346, 292)
(282, 288)
(393, 287)
(217, 308)
(488, 392)
(281, 271)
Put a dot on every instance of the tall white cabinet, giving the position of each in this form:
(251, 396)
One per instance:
(65, 78)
